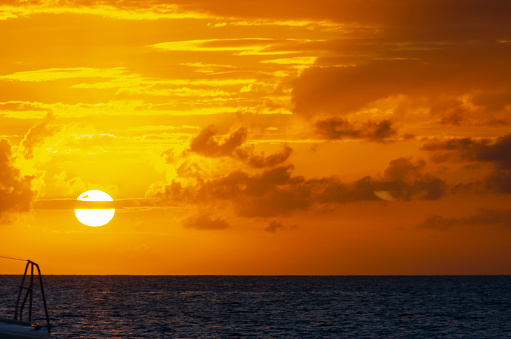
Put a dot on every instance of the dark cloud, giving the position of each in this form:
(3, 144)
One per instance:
(406, 180)
(434, 78)
(422, 18)
(477, 187)
(448, 58)
(457, 144)
(343, 90)
(495, 152)
(467, 149)
(16, 194)
(454, 116)
(204, 221)
(403, 169)
(277, 191)
(499, 181)
(274, 225)
(331, 190)
(483, 217)
(262, 161)
(273, 192)
(206, 143)
(337, 128)
(498, 152)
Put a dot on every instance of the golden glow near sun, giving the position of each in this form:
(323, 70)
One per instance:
(94, 216)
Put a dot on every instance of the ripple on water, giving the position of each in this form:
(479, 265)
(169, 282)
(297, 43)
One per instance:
(261, 307)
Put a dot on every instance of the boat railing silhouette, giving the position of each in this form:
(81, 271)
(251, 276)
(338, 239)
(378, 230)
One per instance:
(21, 326)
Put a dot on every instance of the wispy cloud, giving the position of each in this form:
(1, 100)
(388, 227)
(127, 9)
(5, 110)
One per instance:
(481, 218)
(141, 10)
(204, 221)
(52, 74)
(242, 46)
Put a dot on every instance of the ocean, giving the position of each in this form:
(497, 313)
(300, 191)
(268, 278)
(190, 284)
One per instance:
(272, 306)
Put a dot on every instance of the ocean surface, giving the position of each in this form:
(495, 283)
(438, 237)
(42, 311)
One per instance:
(271, 306)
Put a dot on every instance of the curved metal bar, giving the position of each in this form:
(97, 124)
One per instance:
(44, 298)
(29, 292)
(31, 289)
(18, 313)
(21, 290)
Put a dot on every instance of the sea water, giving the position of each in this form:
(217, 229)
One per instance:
(272, 306)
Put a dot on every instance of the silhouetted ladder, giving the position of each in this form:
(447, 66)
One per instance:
(18, 313)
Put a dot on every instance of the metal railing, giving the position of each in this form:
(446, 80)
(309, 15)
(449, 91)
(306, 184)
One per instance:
(18, 313)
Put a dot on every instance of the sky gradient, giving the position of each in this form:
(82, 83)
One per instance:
(257, 137)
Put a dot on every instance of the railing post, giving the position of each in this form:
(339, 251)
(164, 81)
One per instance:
(19, 295)
(44, 298)
(31, 291)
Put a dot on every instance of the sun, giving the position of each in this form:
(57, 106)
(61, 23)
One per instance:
(94, 216)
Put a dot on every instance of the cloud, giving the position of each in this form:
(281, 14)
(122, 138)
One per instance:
(47, 150)
(343, 90)
(402, 180)
(37, 134)
(337, 128)
(251, 46)
(52, 74)
(481, 218)
(208, 144)
(400, 14)
(16, 194)
(21, 106)
(261, 186)
(456, 149)
(260, 160)
(468, 149)
(429, 79)
(48, 136)
(273, 192)
(127, 10)
(441, 65)
(454, 18)
(274, 226)
(405, 180)
(204, 221)
(278, 191)
(499, 181)
(495, 152)
(205, 144)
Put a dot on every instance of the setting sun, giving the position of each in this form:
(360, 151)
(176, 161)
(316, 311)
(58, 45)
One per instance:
(94, 216)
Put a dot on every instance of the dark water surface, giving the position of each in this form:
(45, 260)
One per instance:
(272, 307)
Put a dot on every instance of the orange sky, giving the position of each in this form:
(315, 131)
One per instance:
(261, 137)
